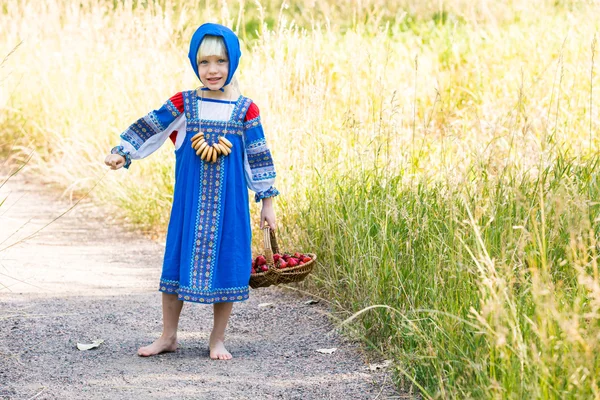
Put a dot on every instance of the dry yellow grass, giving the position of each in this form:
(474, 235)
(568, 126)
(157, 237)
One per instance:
(491, 88)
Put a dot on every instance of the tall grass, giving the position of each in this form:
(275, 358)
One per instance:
(494, 283)
(440, 157)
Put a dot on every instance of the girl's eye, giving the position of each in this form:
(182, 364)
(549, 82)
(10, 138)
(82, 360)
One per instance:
(203, 62)
(222, 61)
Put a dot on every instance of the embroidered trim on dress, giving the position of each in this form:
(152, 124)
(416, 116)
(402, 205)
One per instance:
(187, 293)
(169, 286)
(260, 160)
(172, 108)
(256, 144)
(120, 150)
(272, 192)
(253, 123)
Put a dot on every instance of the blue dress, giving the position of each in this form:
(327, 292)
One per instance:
(208, 250)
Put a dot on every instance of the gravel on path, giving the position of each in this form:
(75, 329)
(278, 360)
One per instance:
(84, 277)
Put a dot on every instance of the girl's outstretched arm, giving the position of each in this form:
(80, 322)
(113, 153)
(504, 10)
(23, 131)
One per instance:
(148, 133)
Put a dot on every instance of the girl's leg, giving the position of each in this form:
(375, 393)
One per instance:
(216, 344)
(168, 340)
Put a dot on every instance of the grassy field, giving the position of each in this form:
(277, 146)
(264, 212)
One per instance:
(439, 156)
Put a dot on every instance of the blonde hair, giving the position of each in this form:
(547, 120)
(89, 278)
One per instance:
(211, 46)
(215, 46)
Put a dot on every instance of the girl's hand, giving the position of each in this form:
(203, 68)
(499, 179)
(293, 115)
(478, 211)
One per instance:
(114, 161)
(267, 214)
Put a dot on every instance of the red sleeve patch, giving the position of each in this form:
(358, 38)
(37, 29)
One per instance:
(173, 136)
(177, 101)
(252, 112)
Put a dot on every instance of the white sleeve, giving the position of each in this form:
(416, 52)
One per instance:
(155, 141)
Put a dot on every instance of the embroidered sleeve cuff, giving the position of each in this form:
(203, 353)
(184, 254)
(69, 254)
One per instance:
(125, 154)
(272, 192)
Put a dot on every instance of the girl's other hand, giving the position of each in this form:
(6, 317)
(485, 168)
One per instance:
(267, 214)
(114, 161)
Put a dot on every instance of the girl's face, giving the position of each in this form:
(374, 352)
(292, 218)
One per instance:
(213, 71)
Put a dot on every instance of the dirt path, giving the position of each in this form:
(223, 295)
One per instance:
(78, 280)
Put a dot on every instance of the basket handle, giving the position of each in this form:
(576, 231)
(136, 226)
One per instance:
(271, 246)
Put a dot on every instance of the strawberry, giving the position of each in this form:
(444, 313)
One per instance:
(286, 257)
(261, 260)
(297, 255)
(283, 265)
(292, 262)
(253, 271)
(306, 258)
(276, 257)
(264, 268)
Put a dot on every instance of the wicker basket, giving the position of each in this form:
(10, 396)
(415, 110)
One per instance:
(274, 275)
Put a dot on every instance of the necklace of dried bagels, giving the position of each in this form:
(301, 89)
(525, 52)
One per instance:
(210, 152)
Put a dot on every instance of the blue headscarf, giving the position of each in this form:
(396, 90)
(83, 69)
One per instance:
(232, 44)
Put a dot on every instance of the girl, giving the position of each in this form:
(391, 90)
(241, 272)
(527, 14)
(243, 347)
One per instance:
(220, 150)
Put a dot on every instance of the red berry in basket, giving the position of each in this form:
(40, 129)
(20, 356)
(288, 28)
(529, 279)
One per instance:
(253, 271)
(276, 257)
(283, 265)
(306, 258)
(297, 255)
(292, 262)
(253, 263)
(264, 268)
(261, 260)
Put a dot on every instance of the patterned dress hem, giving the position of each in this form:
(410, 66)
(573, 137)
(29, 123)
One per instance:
(195, 296)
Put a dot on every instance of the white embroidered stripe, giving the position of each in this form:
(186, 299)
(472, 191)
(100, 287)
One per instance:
(256, 150)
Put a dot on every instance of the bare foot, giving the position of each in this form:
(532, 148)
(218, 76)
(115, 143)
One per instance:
(160, 345)
(218, 350)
